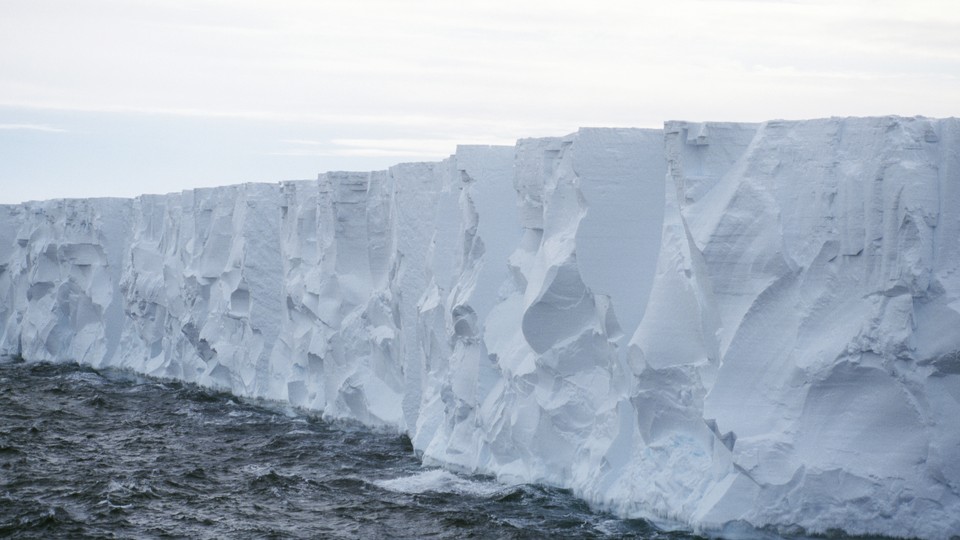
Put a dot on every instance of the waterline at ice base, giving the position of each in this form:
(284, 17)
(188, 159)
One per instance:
(713, 325)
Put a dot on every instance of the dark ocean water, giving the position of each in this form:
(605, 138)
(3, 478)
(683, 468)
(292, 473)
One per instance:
(107, 454)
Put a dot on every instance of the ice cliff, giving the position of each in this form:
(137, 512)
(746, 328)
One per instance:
(713, 324)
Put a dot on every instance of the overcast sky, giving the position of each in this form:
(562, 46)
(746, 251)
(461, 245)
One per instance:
(120, 97)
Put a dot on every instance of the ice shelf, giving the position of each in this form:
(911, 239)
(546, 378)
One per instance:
(711, 324)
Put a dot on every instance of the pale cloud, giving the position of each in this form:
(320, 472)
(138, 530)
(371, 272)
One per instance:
(508, 63)
(32, 127)
(372, 79)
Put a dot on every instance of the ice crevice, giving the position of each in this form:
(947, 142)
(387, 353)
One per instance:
(712, 324)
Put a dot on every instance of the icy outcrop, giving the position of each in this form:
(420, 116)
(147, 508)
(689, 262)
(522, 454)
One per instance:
(199, 287)
(60, 265)
(824, 258)
(713, 324)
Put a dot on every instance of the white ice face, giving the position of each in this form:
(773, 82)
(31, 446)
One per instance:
(706, 323)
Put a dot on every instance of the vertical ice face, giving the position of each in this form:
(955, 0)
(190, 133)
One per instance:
(425, 224)
(621, 177)
(466, 270)
(822, 273)
(297, 356)
(59, 270)
(713, 323)
(339, 334)
(200, 283)
(356, 252)
(530, 388)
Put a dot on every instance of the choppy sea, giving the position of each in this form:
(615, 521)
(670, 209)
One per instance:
(109, 454)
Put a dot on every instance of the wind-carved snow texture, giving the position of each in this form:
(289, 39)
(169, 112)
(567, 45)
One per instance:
(771, 336)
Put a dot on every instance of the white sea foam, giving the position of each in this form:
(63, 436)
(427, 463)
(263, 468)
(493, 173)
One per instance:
(441, 481)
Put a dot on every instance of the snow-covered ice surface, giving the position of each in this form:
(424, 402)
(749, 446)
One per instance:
(713, 324)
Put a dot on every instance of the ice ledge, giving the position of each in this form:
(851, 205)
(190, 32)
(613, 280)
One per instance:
(770, 336)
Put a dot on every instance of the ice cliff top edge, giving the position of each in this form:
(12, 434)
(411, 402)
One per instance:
(714, 324)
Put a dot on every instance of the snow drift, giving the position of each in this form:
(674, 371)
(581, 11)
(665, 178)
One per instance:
(771, 336)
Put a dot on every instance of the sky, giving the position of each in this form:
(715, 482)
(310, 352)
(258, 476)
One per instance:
(122, 97)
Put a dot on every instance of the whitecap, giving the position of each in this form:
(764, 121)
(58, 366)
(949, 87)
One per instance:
(441, 481)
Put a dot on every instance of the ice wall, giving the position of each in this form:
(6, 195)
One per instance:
(825, 289)
(712, 324)
(60, 269)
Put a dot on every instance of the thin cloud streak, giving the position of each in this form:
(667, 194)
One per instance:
(400, 147)
(32, 127)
